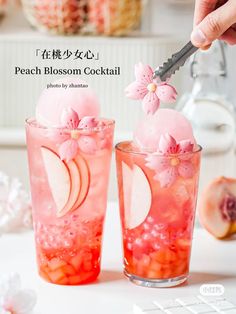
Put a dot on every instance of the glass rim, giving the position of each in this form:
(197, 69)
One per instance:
(141, 153)
(110, 123)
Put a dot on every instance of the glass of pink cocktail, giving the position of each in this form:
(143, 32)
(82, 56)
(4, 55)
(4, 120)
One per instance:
(69, 172)
(157, 195)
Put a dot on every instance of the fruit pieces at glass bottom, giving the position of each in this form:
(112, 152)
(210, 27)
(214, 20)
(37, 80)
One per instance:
(217, 210)
(68, 270)
(77, 264)
(160, 264)
(68, 181)
(164, 256)
(137, 195)
(84, 267)
(149, 267)
(55, 263)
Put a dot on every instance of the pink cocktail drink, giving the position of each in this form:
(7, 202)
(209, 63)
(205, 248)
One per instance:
(69, 172)
(157, 195)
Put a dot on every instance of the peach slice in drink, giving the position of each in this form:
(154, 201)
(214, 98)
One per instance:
(68, 181)
(137, 195)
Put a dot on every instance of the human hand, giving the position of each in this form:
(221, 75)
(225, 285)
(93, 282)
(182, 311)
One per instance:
(214, 19)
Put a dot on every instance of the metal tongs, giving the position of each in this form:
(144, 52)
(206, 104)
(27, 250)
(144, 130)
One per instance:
(173, 64)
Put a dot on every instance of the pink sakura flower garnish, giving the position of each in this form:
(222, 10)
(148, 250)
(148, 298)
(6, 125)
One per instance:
(69, 137)
(69, 119)
(148, 90)
(171, 161)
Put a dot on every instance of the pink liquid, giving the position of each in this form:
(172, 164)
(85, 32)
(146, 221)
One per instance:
(160, 246)
(68, 242)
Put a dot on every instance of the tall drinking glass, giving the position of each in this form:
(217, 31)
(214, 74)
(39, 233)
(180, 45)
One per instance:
(69, 199)
(157, 219)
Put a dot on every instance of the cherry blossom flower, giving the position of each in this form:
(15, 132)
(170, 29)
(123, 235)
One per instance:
(148, 90)
(14, 299)
(69, 135)
(15, 206)
(171, 161)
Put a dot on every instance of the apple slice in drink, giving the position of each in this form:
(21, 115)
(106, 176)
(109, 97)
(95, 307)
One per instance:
(85, 180)
(58, 177)
(137, 195)
(76, 185)
(64, 180)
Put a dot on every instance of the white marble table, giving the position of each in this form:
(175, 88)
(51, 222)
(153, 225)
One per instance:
(212, 262)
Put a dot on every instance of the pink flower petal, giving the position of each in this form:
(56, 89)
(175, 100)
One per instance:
(143, 74)
(69, 118)
(88, 122)
(136, 90)
(186, 169)
(87, 145)
(166, 93)
(186, 146)
(167, 177)
(68, 150)
(157, 162)
(58, 135)
(151, 103)
(167, 144)
(22, 302)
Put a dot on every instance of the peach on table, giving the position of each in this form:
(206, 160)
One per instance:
(217, 208)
